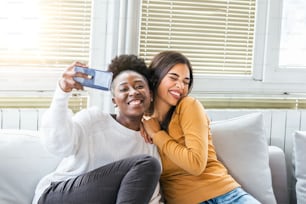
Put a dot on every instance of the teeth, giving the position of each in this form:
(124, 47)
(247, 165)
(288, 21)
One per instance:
(135, 102)
(175, 93)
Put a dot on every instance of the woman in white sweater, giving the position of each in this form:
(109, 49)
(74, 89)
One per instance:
(105, 159)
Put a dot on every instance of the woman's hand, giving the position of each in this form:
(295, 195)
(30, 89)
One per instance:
(67, 83)
(151, 126)
(145, 135)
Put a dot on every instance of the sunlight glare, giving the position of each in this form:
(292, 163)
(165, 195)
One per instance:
(20, 22)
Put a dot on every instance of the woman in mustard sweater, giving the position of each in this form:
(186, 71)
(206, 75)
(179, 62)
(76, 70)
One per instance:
(179, 127)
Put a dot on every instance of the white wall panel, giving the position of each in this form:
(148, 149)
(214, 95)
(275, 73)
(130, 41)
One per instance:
(10, 119)
(29, 119)
(278, 127)
(303, 120)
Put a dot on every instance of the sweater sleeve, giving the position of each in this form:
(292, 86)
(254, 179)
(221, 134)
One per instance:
(58, 133)
(191, 154)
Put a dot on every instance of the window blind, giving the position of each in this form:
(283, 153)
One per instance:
(216, 35)
(253, 102)
(77, 101)
(44, 34)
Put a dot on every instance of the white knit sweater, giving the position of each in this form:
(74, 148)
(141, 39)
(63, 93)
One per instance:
(87, 140)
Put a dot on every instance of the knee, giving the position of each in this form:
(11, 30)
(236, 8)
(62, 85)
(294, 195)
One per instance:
(155, 164)
(151, 164)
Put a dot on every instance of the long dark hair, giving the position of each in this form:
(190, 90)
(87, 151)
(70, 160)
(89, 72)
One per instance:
(159, 67)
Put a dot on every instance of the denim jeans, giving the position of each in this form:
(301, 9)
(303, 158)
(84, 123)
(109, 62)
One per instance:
(236, 196)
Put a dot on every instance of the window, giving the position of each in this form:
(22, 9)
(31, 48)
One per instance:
(217, 36)
(40, 38)
(234, 46)
(293, 32)
(279, 49)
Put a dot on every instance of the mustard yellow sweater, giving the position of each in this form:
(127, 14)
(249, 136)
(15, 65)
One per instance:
(191, 170)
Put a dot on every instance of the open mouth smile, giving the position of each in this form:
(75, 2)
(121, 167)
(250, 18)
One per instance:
(175, 94)
(135, 102)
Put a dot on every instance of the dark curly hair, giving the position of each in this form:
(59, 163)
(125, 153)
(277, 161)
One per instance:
(130, 62)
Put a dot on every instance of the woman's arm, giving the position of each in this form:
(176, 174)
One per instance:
(59, 131)
(186, 142)
(57, 127)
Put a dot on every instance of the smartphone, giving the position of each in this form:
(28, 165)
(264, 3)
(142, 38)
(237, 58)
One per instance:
(97, 79)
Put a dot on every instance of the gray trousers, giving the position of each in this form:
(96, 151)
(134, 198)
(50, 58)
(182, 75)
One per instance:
(132, 180)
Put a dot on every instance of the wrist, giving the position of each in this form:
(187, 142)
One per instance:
(62, 85)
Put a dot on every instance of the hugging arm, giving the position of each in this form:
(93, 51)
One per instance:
(191, 154)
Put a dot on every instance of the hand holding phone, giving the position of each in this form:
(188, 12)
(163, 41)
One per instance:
(97, 79)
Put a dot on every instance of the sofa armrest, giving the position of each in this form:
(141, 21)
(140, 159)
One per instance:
(278, 168)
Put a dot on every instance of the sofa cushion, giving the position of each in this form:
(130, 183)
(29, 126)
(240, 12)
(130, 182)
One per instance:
(242, 147)
(23, 162)
(299, 146)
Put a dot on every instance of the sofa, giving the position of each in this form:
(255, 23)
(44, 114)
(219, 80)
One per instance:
(240, 144)
(299, 163)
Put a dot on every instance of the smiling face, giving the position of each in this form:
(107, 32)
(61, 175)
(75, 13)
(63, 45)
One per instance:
(173, 86)
(131, 94)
